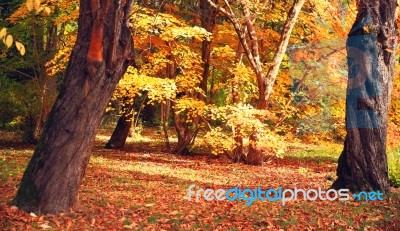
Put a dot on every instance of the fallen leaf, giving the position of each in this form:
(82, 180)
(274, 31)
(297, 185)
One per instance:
(45, 226)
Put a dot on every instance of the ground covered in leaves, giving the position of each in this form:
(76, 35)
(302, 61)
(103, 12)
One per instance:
(143, 188)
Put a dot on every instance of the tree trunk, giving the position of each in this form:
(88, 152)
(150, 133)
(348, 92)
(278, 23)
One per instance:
(371, 46)
(255, 155)
(165, 109)
(268, 82)
(100, 57)
(237, 151)
(208, 19)
(45, 45)
(121, 131)
(48, 93)
(184, 132)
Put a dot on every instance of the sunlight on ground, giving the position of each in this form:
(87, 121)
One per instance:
(145, 190)
(132, 139)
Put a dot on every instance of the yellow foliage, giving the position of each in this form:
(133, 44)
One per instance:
(224, 52)
(192, 108)
(133, 84)
(241, 119)
(243, 82)
(187, 32)
(218, 141)
(67, 11)
(59, 62)
(8, 40)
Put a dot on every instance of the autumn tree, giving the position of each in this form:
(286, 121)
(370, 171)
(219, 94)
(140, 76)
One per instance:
(124, 124)
(135, 86)
(155, 22)
(244, 25)
(44, 27)
(371, 57)
(100, 57)
(167, 50)
(126, 118)
(249, 40)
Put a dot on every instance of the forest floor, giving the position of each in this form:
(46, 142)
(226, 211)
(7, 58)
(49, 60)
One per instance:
(143, 188)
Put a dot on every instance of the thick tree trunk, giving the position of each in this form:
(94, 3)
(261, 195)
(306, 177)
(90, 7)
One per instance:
(371, 56)
(124, 124)
(100, 57)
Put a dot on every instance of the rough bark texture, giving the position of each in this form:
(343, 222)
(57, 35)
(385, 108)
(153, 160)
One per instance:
(371, 59)
(121, 131)
(100, 57)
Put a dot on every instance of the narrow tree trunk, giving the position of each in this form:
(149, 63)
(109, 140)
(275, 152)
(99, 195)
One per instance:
(165, 109)
(248, 38)
(100, 57)
(121, 131)
(269, 80)
(237, 151)
(371, 56)
(255, 155)
(45, 44)
(184, 132)
(48, 93)
(208, 19)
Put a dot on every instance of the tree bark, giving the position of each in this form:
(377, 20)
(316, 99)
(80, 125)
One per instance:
(45, 44)
(124, 124)
(268, 82)
(251, 49)
(255, 155)
(100, 57)
(249, 42)
(208, 19)
(165, 109)
(371, 46)
(184, 131)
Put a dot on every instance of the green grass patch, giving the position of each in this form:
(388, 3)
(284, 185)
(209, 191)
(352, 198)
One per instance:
(394, 166)
(10, 166)
(326, 153)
